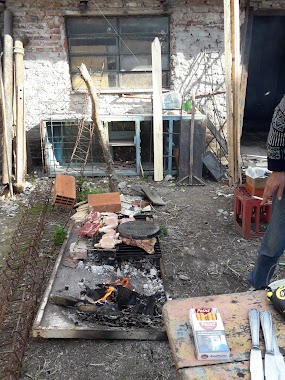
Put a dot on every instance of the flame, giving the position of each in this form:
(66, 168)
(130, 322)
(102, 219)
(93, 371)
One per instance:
(106, 295)
(124, 282)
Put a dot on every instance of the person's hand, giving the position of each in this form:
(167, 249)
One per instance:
(276, 182)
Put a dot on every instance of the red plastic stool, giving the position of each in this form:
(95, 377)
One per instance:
(249, 216)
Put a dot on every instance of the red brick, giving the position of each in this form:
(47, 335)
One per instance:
(106, 202)
(64, 190)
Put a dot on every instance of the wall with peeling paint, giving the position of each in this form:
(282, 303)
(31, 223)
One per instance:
(196, 48)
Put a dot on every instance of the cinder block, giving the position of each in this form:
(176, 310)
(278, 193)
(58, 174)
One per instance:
(64, 190)
(106, 202)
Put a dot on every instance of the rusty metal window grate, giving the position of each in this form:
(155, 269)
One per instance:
(117, 50)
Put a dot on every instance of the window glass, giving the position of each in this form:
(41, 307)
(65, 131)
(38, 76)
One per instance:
(141, 63)
(100, 80)
(91, 26)
(116, 50)
(144, 25)
(141, 45)
(94, 63)
(93, 45)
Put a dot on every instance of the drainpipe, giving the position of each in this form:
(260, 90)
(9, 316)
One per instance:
(21, 151)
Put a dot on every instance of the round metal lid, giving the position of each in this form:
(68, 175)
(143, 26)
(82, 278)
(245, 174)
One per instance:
(138, 229)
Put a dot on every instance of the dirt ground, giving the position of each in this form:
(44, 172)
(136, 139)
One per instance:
(203, 254)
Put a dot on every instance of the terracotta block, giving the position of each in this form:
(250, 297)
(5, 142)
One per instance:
(64, 190)
(106, 202)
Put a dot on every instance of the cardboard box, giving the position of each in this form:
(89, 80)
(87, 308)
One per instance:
(106, 202)
(209, 334)
(255, 186)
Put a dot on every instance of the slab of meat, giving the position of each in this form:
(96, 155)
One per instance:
(93, 216)
(89, 229)
(108, 241)
(110, 221)
(146, 244)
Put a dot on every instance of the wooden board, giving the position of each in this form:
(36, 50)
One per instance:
(153, 196)
(184, 149)
(234, 311)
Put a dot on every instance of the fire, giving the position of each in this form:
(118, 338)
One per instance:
(124, 282)
(109, 291)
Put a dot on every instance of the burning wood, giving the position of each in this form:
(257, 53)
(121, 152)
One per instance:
(109, 291)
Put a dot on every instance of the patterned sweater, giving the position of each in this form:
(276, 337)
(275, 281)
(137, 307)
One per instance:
(276, 139)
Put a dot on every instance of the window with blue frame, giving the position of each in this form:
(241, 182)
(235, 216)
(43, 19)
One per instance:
(117, 50)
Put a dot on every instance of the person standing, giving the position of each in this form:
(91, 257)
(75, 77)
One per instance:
(273, 242)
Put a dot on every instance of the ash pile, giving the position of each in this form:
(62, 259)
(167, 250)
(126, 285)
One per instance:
(129, 294)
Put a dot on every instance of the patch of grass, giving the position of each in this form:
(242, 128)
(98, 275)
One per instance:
(59, 235)
(163, 230)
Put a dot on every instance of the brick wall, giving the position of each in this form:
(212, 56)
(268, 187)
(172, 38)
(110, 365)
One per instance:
(197, 58)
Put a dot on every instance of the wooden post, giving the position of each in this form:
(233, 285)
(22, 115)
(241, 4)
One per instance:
(5, 144)
(157, 110)
(21, 153)
(236, 86)
(113, 182)
(8, 90)
(244, 64)
(192, 140)
(232, 65)
(228, 77)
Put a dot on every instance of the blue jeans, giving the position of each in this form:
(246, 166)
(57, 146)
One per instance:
(272, 246)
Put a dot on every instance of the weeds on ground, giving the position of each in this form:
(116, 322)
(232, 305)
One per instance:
(83, 189)
(163, 230)
(82, 196)
(59, 235)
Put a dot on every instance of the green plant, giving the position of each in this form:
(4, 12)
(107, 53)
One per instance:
(59, 235)
(82, 195)
(163, 230)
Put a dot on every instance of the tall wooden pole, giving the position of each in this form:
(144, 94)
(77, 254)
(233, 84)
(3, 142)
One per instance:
(228, 77)
(236, 86)
(21, 153)
(157, 110)
(232, 74)
(8, 90)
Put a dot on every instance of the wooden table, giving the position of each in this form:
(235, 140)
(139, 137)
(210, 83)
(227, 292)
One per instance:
(234, 312)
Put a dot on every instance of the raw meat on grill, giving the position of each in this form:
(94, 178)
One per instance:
(89, 229)
(146, 244)
(108, 241)
(94, 216)
(109, 221)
